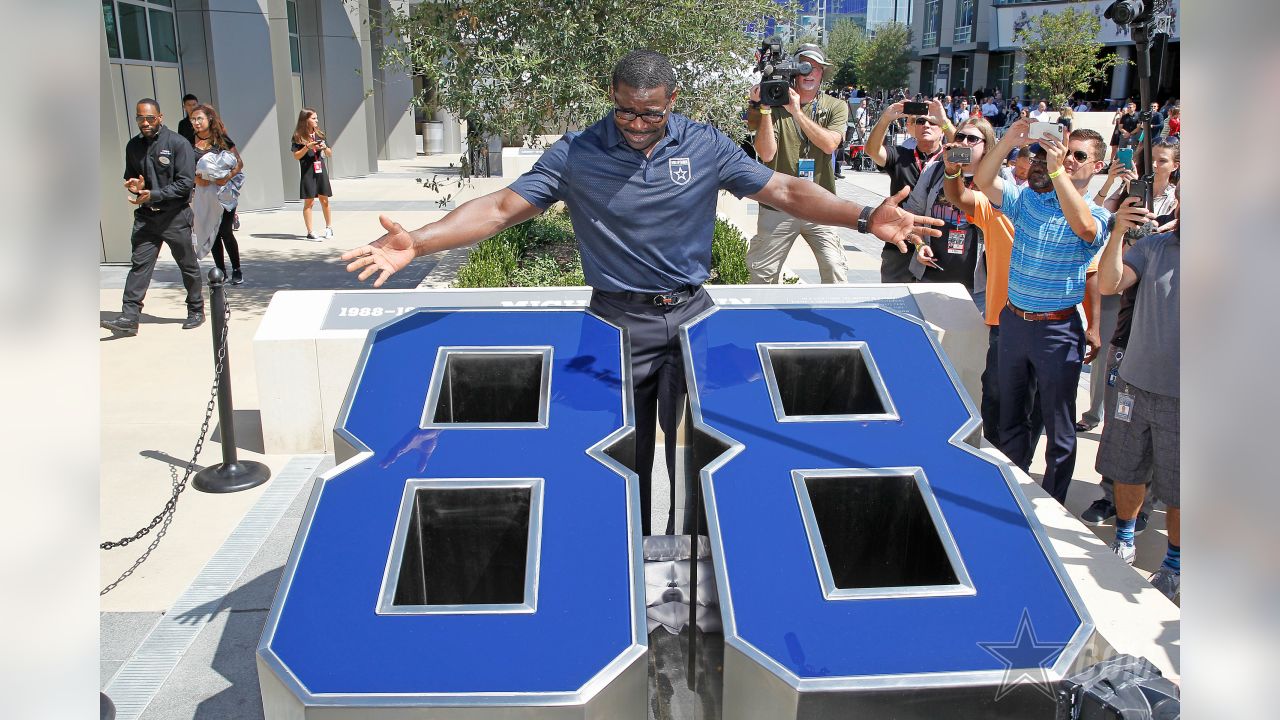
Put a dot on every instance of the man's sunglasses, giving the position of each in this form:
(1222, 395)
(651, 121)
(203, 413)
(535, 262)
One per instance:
(148, 118)
(925, 120)
(1038, 154)
(653, 118)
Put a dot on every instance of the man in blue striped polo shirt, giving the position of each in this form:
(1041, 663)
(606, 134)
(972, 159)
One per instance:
(1056, 233)
(641, 188)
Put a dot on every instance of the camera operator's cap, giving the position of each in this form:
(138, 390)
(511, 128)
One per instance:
(814, 53)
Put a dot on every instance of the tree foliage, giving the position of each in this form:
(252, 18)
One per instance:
(543, 66)
(1062, 54)
(847, 39)
(882, 63)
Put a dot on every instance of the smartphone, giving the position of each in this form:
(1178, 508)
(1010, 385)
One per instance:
(1138, 189)
(960, 155)
(1125, 157)
(915, 108)
(1045, 129)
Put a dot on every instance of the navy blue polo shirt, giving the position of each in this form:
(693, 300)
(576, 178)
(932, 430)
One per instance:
(643, 224)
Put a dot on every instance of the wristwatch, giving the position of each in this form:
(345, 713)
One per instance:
(864, 217)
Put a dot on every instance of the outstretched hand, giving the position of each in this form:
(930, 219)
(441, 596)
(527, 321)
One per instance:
(385, 256)
(898, 227)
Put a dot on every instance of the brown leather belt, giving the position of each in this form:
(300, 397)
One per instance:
(1062, 314)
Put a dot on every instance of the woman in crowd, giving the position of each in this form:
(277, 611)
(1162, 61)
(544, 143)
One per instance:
(1174, 124)
(955, 256)
(311, 151)
(1065, 117)
(211, 140)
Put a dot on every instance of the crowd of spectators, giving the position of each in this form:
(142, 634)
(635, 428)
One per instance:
(1026, 238)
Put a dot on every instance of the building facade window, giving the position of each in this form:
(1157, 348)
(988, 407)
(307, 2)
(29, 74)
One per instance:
(880, 12)
(140, 31)
(1001, 74)
(932, 23)
(295, 47)
(965, 14)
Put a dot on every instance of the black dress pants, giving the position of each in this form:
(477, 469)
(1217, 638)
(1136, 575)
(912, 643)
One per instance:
(150, 230)
(657, 376)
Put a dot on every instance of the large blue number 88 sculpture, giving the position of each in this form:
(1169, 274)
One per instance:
(478, 555)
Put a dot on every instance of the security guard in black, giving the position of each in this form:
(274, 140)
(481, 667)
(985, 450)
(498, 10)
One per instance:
(159, 173)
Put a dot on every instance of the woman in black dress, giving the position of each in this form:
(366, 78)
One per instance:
(311, 151)
(211, 136)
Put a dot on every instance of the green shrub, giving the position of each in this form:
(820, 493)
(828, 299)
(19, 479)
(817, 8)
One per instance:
(543, 252)
(728, 255)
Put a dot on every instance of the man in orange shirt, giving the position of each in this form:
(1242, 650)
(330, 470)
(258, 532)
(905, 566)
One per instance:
(997, 232)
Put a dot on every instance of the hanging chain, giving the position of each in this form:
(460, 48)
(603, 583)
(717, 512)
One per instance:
(166, 515)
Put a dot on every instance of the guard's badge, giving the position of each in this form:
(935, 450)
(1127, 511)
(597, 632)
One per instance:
(680, 170)
(162, 160)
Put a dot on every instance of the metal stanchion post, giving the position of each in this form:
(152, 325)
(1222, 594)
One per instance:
(231, 475)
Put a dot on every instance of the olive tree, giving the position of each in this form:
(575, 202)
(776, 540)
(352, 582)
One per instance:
(521, 69)
(1062, 54)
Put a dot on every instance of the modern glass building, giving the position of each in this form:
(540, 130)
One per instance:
(966, 45)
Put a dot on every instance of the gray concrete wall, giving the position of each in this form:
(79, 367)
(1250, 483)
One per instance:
(392, 93)
(115, 216)
(237, 68)
(287, 106)
(336, 71)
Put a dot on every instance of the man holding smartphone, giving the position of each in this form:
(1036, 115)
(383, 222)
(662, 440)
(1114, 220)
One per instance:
(929, 126)
(1042, 341)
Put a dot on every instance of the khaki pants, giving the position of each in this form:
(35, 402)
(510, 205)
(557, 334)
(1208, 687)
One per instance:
(776, 231)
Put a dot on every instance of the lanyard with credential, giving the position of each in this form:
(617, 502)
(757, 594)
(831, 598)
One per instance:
(806, 165)
(804, 139)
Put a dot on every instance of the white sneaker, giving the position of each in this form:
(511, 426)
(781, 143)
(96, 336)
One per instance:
(312, 236)
(328, 232)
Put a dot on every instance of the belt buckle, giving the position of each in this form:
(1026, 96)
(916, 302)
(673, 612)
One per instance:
(666, 300)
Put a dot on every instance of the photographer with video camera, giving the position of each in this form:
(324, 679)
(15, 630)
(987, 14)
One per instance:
(929, 127)
(799, 139)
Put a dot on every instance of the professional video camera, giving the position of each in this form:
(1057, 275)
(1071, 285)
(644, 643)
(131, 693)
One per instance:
(777, 72)
(1131, 12)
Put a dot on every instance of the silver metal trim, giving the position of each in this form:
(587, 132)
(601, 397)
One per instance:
(630, 656)
(949, 679)
(533, 552)
(964, 584)
(445, 352)
(775, 396)
(639, 612)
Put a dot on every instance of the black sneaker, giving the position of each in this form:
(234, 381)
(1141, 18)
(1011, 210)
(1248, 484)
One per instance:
(1140, 524)
(194, 320)
(1101, 511)
(121, 325)
(236, 277)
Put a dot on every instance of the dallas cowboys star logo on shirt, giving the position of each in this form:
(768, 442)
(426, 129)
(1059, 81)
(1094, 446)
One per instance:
(680, 169)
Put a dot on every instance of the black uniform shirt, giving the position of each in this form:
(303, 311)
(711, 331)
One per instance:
(167, 162)
(186, 130)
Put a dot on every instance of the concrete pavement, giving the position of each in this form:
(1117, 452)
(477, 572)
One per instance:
(154, 392)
